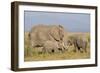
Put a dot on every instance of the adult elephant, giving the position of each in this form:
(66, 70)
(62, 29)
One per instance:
(42, 33)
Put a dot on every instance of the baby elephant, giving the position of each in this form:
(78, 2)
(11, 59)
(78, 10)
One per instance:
(51, 47)
(78, 43)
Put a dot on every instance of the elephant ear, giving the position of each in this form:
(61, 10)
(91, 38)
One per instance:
(54, 33)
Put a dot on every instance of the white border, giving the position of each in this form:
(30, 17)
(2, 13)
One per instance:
(23, 64)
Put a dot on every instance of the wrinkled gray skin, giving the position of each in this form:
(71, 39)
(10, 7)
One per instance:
(79, 44)
(51, 47)
(42, 33)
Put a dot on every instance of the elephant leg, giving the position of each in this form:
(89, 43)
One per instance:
(81, 50)
(60, 49)
(32, 44)
(75, 48)
(85, 49)
(63, 49)
(44, 50)
(40, 50)
(57, 50)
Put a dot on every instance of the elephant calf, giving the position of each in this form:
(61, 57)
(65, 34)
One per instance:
(52, 47)
(78, 43)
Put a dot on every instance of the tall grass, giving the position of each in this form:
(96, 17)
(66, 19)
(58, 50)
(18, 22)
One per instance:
(33, 54)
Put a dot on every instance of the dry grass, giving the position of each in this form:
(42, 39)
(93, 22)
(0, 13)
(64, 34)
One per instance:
(30, 54)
